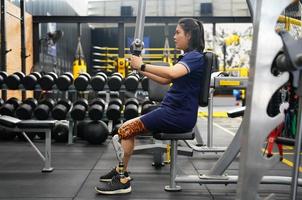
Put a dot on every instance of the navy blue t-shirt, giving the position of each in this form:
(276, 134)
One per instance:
(178, 110)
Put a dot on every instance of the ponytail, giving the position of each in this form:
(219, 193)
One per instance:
(195, 28)
(201, 36)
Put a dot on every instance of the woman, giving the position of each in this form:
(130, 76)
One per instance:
(178, 110)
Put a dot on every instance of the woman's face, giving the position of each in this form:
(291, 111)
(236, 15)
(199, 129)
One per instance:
(181, 39)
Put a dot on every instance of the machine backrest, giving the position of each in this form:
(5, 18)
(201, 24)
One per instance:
(211, 63)
(158, 91)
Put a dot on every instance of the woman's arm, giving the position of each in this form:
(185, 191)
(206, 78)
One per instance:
(169, 73)
(157, 79)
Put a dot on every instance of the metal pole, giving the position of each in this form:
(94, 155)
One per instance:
(140, 20)
(210, 119)
(72, 129)
(166, 30)
(224, 56)
(34, 146)
(79, 30)
(23, 48)
(79, 47)
(23, 41)
(214, 29)
(252, 7)
(3, 43)
(173, 167)
(36, 52)
(138, 44)
(166, 50)
(121, 40)
(36, 45)
(47, 163)
(3, 36)
(298, 141)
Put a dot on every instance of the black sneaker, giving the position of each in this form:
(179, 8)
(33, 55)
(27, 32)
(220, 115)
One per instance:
(107, 177)
(115, 186)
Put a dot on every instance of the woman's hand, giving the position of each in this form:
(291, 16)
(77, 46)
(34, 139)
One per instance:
(136, 62)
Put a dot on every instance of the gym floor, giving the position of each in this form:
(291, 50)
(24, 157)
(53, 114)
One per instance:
(78, 167)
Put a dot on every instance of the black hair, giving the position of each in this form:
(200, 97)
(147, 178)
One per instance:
(195, 28)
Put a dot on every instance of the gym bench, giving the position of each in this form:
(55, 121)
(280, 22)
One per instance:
(14, 124)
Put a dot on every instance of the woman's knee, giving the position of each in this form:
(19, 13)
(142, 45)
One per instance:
(131, 129)
(126, 131)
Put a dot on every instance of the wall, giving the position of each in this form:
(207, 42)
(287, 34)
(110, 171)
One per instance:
(169, 7)
(79, 6)
(66, 46)
(106, 36)
(13, 34)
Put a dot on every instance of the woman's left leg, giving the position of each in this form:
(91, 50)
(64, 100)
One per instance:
(127, 133)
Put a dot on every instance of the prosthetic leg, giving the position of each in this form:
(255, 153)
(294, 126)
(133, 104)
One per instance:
(119, 154)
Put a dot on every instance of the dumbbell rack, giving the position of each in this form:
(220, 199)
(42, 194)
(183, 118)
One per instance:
(64, 93)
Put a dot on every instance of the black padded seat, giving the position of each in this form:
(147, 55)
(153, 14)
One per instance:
(8, 121)
(175, 136)
(45, 124)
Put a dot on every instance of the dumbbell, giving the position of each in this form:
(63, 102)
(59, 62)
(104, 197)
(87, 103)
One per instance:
(148, 106)
(64, 81)
(48, 80)
(14, 80)
(1, 102)
(80, 129)
(3, 76)
(82, 81)
(145, 83)
(131, 108)
(59, 112)
(60, 132)
(114, 109)
(96, 132)
(25, 110)
(29, 82)
(79, 109)
(131, 82)
(9, 107)
(43, 109)
(98, 81)
(102, 95)
(96, 109)
(115, 81)
(114, 95)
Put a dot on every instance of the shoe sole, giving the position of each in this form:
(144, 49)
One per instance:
(121, 191)
(108, 180)
(105, 180)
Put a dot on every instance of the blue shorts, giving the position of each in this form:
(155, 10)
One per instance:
(164, 119)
